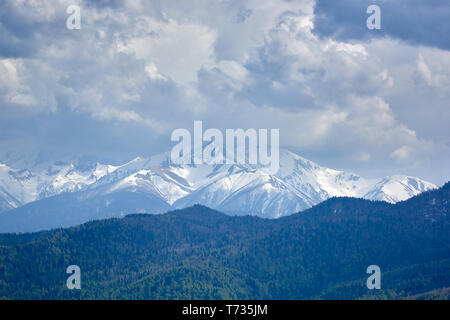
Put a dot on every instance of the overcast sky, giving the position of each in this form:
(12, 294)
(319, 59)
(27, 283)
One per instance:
(374, 102)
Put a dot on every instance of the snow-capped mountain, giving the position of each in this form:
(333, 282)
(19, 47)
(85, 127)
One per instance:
(231, 188)
(18, 187)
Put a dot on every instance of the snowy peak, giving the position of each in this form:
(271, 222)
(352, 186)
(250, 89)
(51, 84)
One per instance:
(397, 188)
(20, 186)
(232, 188)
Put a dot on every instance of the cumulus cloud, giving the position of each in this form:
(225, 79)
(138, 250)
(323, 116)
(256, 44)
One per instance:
(12, 86)
(401, 154)
(161, 43)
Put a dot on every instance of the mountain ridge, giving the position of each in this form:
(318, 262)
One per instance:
(156, 185)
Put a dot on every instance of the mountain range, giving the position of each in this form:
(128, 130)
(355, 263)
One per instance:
(65, 193)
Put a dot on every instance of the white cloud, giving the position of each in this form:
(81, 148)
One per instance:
(13, 88)
(401, 154)
(177, 50)
(434, 67)
(153, 73)
(424, 70)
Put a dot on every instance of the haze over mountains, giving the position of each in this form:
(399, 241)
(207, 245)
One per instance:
(62, 194)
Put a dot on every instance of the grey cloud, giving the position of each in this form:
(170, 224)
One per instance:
(22, 26)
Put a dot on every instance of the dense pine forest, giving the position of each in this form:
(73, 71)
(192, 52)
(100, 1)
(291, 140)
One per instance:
(199, 253)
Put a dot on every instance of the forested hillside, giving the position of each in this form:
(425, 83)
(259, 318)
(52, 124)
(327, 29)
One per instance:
(199, 253)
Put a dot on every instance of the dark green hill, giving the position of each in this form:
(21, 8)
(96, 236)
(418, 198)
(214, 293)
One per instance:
(200, 253)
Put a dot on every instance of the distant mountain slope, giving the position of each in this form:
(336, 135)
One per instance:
(233, 189)
(200, 253)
